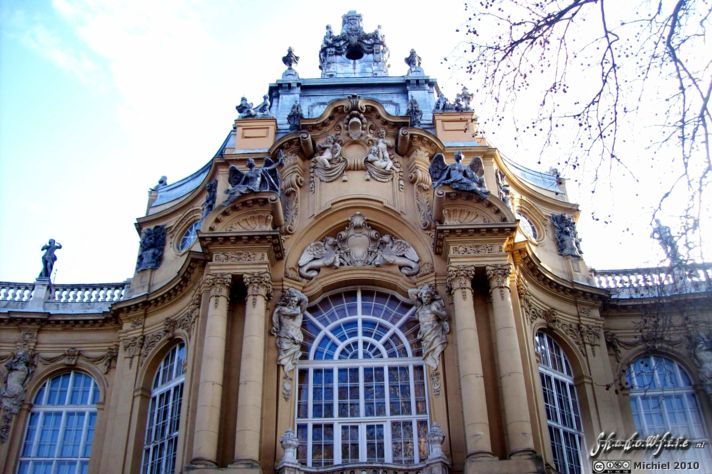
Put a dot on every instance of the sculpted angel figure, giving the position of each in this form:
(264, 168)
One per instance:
(378, 160)
(254, 180)
(432, 318)
(287, 327)
(398, 252)
(457, 176)
(329, 150)
(317, 255)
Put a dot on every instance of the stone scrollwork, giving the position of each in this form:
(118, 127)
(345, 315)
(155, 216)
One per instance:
(358, 245)
(292, 181)
(434, 327)
(18, 371)
(422, 186)
(287, 328)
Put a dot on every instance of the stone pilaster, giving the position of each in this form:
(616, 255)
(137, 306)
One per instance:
(509, 364)
(472, 386)
(249, 399)
(215, 287)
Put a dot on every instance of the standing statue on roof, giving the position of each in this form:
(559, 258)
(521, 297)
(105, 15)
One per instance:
(459, 177)
(48, 259)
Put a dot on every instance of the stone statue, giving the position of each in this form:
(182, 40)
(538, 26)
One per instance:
(469, 179)
(48, 259)
(295, 116)
(503, 188)
(382, 145)
(379, 160)
(18, 372)
(398, 252)
(462, 101)
(290, 59)
(162, 182)
(151, 248)
(287, 328)
(265, 179)
(413, 62)
(317, 255)
(442, 104)
(212, 190)
(414, 113)
(702, 354)
(245, 109)
(434, 326)
(567, 239)
(262, 110)
(330, 151)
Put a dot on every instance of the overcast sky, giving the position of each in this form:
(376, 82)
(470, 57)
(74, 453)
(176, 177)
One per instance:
(100, 98)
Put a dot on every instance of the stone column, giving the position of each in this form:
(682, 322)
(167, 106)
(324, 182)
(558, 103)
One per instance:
(509, 364)
(472, 385)
(249, 398)
(207, 416)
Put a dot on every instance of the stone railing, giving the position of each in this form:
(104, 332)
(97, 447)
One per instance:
(653, 282)
(41, 296)
(15, 291)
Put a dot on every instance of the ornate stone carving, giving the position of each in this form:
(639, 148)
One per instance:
(18, 371)
(358, 245)
(287, 328)
(293, 181)
(295, 116)
(212, 191)
(218, 284)
(250, 222)
(265, 179)
(498, 276)
(414, 113)
(151, 248)
(423, 192)
(289, 60)
(469, 179)
(567, 240)
(464, 215)
(436, 438)
(702, 356)
(328, 163)
(459, 277)
(475, 249)
(245, 109)
(413, 61)
(48, 259)
(290, 443)
(461, 104)
(258, 284)
(433, 321)
(503, 188)
(239, 256)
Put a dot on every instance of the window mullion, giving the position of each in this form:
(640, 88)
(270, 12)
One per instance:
(60, 434)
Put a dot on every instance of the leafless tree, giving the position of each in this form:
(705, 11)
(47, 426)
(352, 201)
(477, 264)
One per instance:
(598, 70)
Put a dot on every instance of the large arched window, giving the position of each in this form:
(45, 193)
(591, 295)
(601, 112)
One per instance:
(662, 399)
(159, 449)
(61, 428)
(361, 382)
(561, 403)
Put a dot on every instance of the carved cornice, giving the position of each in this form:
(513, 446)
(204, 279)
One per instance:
(258, 284)
(239, 256)
(211, 241)
(459, 277)
(445, 231)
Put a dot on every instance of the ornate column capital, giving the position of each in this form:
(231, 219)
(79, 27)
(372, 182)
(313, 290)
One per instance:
(258, 284)
(217, 285)
(459, 277)
(498, 275)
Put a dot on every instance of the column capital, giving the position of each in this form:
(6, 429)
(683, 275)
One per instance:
(258, 284)
(460, 277)
(498, 275)
(218, 284)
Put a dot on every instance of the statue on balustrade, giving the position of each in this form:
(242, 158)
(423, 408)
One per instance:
(459, 177)
(433, 320)
(287, 328)
(48, 259)
(254, 180)
(150, 254)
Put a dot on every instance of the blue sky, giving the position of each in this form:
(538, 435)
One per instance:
(99, 98)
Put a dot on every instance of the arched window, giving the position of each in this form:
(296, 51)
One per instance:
(561, 403)
(61, 428)
(361, 382)
(159, 449)
(662, 399)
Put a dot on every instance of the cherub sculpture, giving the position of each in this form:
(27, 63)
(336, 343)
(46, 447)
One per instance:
(265, 179)
(287, 327)
(317, 255)
(432, 318)
(398, 252)
(457, 176)
(330, 150)
(378, 160)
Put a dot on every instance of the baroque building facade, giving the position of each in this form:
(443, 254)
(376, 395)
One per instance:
(357, 280)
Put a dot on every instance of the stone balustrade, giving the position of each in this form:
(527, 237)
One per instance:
(88, 293)
(656, 281)
(10, 291)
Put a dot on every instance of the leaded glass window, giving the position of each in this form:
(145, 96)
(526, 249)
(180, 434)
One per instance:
(189, 236)
(561, 403)
(60, 431)
(361, 382)
(159, 450)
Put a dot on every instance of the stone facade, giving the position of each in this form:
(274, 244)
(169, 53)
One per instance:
(352, 208)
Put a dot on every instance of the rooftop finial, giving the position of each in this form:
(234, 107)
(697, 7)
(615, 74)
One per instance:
(290, 60)
(413, 62)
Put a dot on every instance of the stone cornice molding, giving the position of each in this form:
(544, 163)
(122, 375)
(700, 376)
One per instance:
(459, 277)
(258, 284)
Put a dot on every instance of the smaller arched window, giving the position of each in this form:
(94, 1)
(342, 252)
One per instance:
(189, 236)
(60, 432)
(159, 449)
(562, 408)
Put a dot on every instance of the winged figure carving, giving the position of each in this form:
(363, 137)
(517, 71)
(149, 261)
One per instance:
(318, 255)
(398, 252)
(459, 177)
(254, 180)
